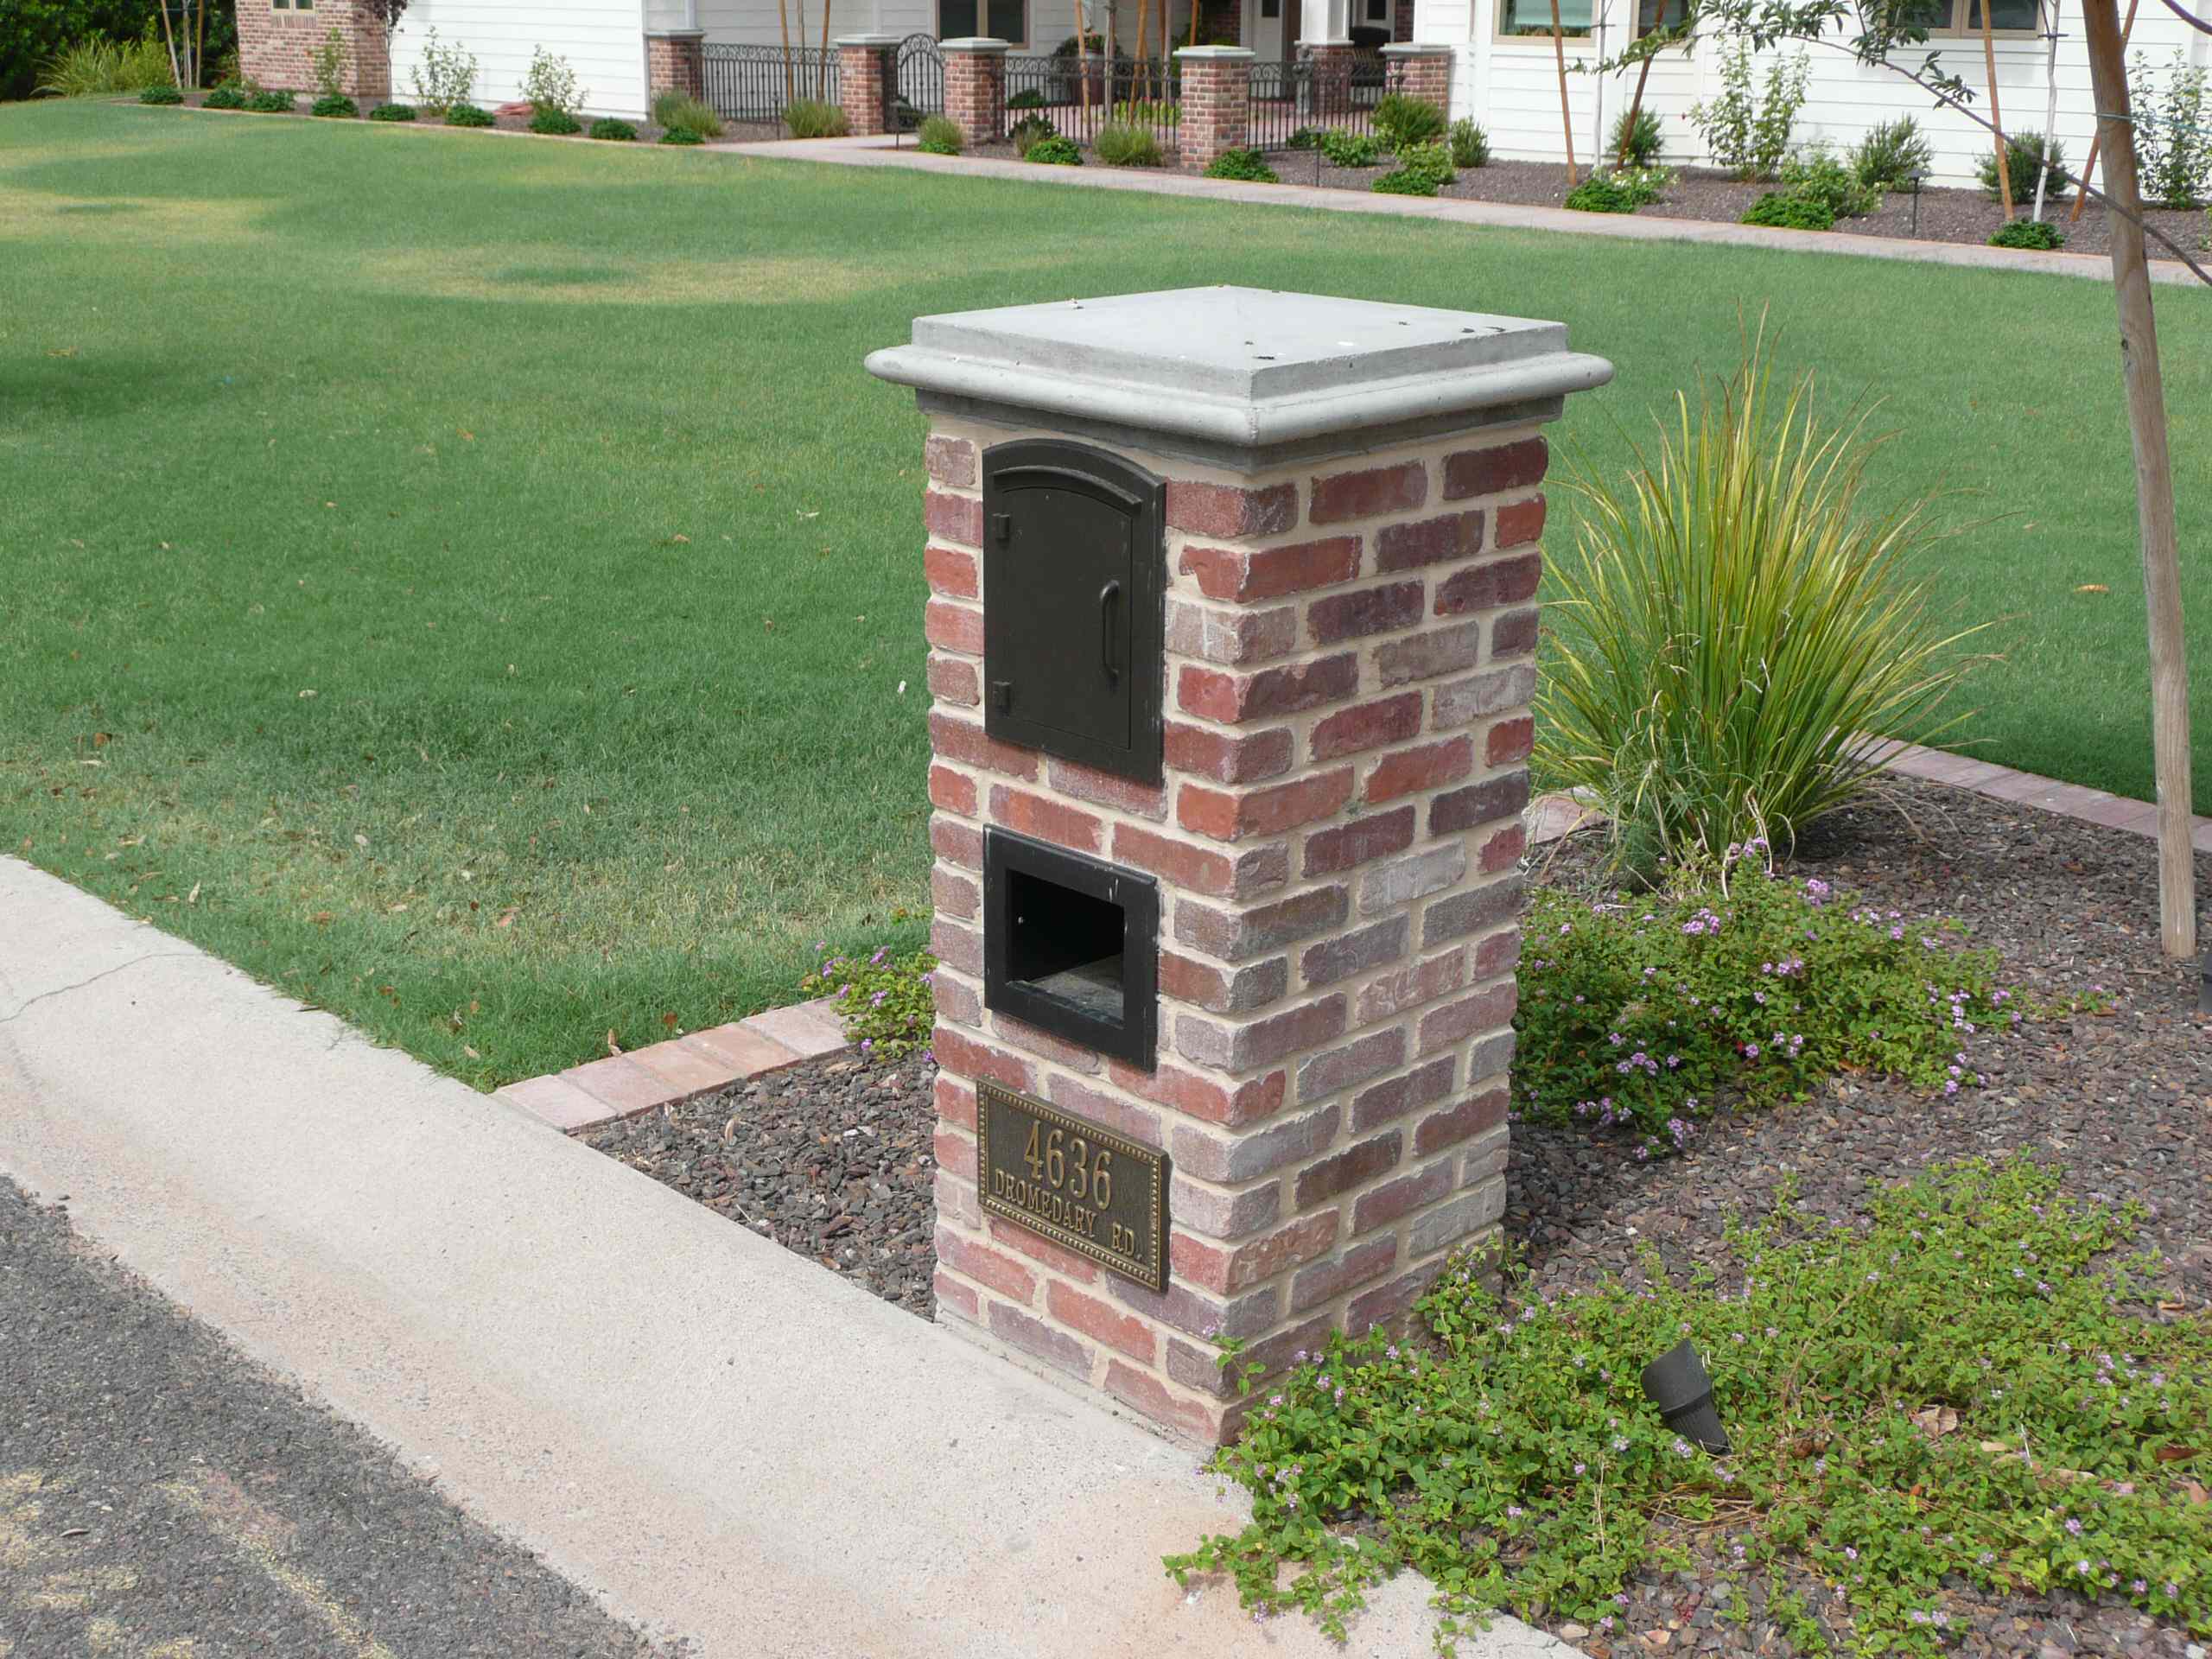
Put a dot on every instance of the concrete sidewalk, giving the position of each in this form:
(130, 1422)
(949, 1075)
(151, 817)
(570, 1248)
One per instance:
(721, 1440)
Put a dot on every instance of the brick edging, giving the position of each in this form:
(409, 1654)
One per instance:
(681, 1069)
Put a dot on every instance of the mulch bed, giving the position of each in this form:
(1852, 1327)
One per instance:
(733, 132)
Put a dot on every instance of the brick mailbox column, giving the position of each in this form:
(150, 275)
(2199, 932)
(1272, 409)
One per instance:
(867, 75)
(1345, 566)
(1217, 103)
(676, 61)
(975, 88)
(1421, 70)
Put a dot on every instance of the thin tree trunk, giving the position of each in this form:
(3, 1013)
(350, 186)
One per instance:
(783, 20)
(2050, 113)
(1996, 119)
(1634, 109)
(822, 63)
(200, 45)
(1144, 49)
(2089, 167)
(1083, 61)
(1566, 113)
(177, 67)
(2154, 483)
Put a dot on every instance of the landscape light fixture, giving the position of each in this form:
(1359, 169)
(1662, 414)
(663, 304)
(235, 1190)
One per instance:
(1677, 1383)
(1916, 178)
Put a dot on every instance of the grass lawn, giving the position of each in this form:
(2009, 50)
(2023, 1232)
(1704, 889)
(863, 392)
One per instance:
(469, 582)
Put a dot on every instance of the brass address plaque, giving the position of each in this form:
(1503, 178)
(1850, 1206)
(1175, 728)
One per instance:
(1085, 1188)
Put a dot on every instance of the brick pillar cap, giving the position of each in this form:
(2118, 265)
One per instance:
(882, 37)
(1417, 49)
(1243, 377)
(676, 33)
(1217, 53)
(979, 43)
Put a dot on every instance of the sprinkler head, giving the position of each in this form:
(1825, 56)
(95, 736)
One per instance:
(1677, 1383)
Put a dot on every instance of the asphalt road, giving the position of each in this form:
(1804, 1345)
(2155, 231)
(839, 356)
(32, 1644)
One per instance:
(163, 1498)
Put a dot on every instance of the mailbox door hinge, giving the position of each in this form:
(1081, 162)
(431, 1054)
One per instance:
(1003, 695)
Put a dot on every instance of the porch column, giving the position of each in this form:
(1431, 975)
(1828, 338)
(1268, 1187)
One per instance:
(676, 61)
(868, 76)
(1421, 70)
(975, 88)
(1217, 103)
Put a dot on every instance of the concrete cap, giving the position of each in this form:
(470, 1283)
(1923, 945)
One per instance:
(882, 37)
(1417, 49)
(1242, 375)
(1215, 52)
(972, 43)
(676, 33)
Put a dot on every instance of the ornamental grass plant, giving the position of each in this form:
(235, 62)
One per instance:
(1738, 633)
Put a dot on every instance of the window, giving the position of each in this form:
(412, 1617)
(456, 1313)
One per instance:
(1000, 20)
(1524, 18)
(1271, 8)
(2014, 17)
(1378, 11)
(1658, 14)
(294, 5)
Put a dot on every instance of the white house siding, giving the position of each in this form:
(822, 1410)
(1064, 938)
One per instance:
(1512, 87)
(604, 41)
(754, 23)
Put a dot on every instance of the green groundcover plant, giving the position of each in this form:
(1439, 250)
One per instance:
(884, 1001)
(1246, 164)
(1963, 1387)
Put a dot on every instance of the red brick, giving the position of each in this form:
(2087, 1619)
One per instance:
(1510, 740)
(1104, 789)
(1371, 610)
(1326, 1280)
(1474, 910)
(1394, 1200)
(1208, 1099)
(1520, 524)
(1249, 573)
(1043, 1044)
(950, 461)
(1498, 954)
(1503, 850)
(1373, 835)
(1038, 1248)
(956, 1102)
(1198, 1368)
(953, 627)
(1389, 1305)
(950, 571)
(1494, 693)
(1227, 1268)
(1266, 811)
(971, 1257)
(1149, 1398)
(1046, 819)
(1488, 802)
(966, 742)
(1365, 725)
(1260, 1042)
(956, 843)
(1223, 990)
(1235, 636)
(1455, 1124)
(954, 791)
(1354, 1062)
(1340, 1171)
(1409, 772)
(1232, 758)
(1485, 586)
(1411, 987)
(1514, 634)
(1094, 1319)
(1494, 470)
(1430, 652)
(1054, 1346)
(955, 518)
(1423, 1085)
(1488, 1009)
(1223, 1215)
(1197, 868)
(955, 1199)
(1227, 510)
(961, 946)
(1207, 1156)
(955, 679)
(970, 1059)
(955, 1152)
(1239, 936)
(962, 1298)
(1140, 1123)
(1364, 494)
(952, 893)
(1355, 952)
(1428, 541)
(1235, 698)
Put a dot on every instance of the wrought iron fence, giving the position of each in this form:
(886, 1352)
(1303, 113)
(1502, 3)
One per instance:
(917, 85)
(757, 83)
(1288, 99)
(1076, 98)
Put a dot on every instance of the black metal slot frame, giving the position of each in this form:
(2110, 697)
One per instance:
(1071, 946)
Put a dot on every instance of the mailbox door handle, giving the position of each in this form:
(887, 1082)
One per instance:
(1108, 597)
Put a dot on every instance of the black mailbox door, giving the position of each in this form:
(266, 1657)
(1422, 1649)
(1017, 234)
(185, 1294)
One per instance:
(1073, 563)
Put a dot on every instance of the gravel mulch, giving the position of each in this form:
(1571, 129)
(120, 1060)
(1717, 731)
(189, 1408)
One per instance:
(831, 1158)
(738, 133)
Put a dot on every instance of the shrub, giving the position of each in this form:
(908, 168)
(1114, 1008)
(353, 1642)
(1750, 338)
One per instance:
(337, 105)
(468, 115)
(228, 96)
(2173, 131)
(1402, 122)
(1907, 1395)
(1350, 149)
(557, 123)
(2038, 233)
(814, 118)
(1746, 133)
(1027, 133)
(1146, 112)
(444, 75)
(161, 95)
(1246, 164)
(939, 137)
(885, 1001)
(2023, 161)
(1779, 210)
(1815, 175)
(1029, 98)
(1734, 626)
(1120, 145)
(1055, 151)
(675, 109)
(392, 112)
(1470, 145)
(270, 103)
(326, 63)
(1601, 194)
(1307, 138)
(1422, 171)
(96, 65)
(612, 131)
(1890, 152)
(550, 85)
(682, 136)
(1641, 148)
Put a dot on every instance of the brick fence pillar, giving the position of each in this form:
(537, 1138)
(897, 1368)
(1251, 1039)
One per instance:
(975, 88)
(676, 61)
(1217, 103)
(1347, 571)
(1330, 85)
(275, 47)
(1421, 70)
(868, 76)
